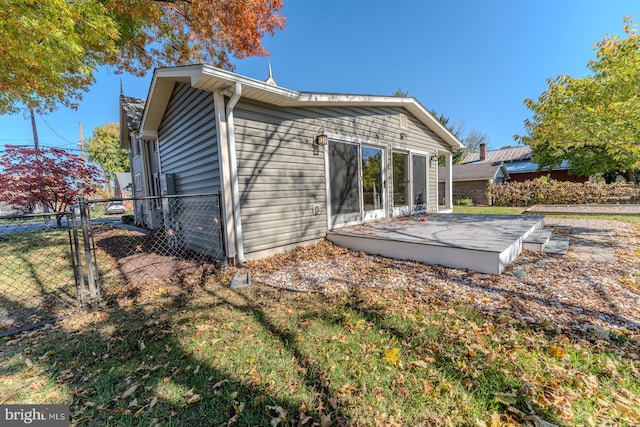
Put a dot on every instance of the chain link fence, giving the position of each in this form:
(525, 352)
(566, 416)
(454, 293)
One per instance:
(103, 251)
(160, 246)
(37, 277)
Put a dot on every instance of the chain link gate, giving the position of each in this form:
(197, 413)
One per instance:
(37, 273)
(83, 256)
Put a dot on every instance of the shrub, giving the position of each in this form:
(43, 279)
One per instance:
(463, 202)
(548, 191)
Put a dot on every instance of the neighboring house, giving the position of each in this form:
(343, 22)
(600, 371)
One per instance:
(288, 165)
(124, 188)
(470, 181)
(519, 165)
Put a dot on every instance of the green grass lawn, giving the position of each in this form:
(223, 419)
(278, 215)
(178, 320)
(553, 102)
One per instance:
(261, 356)
(505, 210)
(36, 268)
(495, 210)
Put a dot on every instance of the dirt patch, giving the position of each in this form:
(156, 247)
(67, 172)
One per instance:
(139, 267)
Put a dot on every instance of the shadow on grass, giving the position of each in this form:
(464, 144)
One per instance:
(142, 366)
(37, 279)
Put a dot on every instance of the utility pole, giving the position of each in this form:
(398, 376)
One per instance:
(81, 143)
(36, 143)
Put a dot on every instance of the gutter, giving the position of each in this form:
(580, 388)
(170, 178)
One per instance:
(235, 192)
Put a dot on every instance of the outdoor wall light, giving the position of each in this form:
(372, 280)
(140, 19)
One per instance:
(434, 157)
(321, 138)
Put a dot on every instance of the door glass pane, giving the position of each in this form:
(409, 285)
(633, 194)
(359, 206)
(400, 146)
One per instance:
(400, 178)
(343, 171)
(372, 178)
(419, 164)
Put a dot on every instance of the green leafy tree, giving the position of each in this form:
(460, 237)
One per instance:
(471, 141)
(104, 149)
(401, 93)
(593, 122)
(49, 50)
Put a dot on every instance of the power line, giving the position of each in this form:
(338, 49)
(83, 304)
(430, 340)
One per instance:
(56, 133)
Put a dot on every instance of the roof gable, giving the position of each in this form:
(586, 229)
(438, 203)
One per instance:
(131, 111)
(213, 79)
(123, 179)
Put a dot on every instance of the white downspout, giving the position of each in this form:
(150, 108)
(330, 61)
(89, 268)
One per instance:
(235, 192)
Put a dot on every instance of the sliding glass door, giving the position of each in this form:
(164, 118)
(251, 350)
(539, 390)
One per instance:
(409, 182)
(401, 183)
(372, 182)
(344, 183)
(419, 182)
(356, 182)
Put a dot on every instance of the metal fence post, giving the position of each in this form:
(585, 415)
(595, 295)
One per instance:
(76, 261)
(91, 275)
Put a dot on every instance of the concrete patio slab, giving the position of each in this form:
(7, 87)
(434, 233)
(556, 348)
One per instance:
(483, 243)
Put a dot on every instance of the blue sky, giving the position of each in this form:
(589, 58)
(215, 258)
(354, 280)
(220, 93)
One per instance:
(473, 61)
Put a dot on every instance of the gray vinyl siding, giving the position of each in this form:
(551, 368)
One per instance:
(137, 171)
(282, 175)
(189, 148)
(188, 143)
(280, 178)
(153, 159)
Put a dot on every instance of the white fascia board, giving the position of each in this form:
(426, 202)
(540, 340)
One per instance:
(468, 179)
(149, 134)
(158, 98)
(209, 73)
(206, 77)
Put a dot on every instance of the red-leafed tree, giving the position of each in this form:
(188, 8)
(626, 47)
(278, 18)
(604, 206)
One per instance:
(51, 177)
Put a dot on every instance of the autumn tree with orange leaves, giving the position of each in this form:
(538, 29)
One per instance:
(50, 50)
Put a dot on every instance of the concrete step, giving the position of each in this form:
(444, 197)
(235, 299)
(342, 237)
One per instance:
(537, 240)
(558, 245)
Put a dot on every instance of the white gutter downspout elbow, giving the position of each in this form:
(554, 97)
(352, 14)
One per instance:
(235, 192)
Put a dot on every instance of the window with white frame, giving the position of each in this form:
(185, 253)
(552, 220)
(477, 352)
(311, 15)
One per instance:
(137, 148)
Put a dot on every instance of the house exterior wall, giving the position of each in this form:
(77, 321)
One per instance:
(282, 175)
(189, 149)
(137, 168)
(188, 143)
(474, 190)
(140, 208)
(120, 193)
